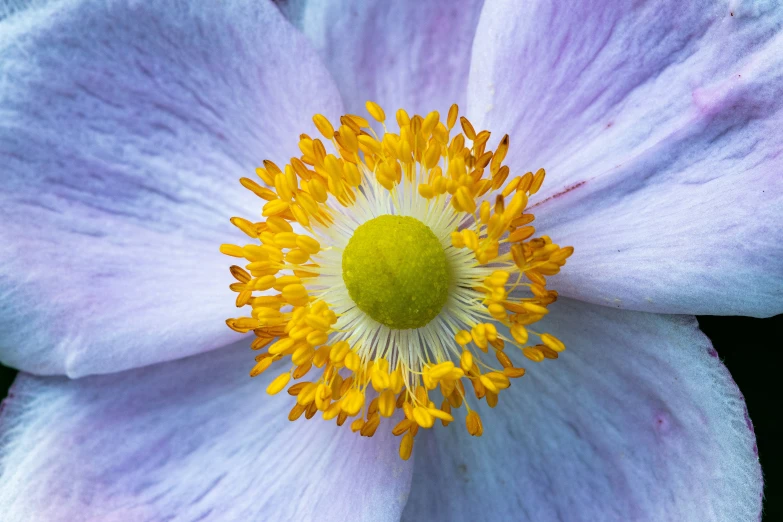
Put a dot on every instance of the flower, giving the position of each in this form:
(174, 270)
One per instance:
(124, 126)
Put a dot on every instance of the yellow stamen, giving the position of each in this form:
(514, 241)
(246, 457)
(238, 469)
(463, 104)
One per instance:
(376, 273)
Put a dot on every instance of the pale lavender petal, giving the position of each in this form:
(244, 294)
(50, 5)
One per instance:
(658, 124)
(402, 54)
(125, 128)
(194, 439)
(637, 420)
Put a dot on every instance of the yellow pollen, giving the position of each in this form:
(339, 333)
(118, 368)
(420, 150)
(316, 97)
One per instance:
(397, 273)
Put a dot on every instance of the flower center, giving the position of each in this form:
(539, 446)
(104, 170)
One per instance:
(396, 271)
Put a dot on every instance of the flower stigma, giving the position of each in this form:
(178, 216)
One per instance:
(392, 270)
(396, 271)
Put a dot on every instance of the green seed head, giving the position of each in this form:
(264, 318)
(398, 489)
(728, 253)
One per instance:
(396, 271)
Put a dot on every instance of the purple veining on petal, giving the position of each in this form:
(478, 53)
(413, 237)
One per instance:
(558, 194)
(680, 149)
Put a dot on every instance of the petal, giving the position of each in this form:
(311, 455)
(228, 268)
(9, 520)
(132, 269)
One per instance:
(402, 54)
(186, 440)
(637, 420)
(658, 126)
(121, 148)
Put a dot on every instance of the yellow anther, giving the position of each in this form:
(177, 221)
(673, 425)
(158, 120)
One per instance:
(488, 384)
(317, 322)
(261, 366)
(465, 200)
(278, 224)
(352, 362)
(317, 338)
(515, 207)
(396, 381)
(467, 128)
(500, 154)
(406, 446)
(232, 250)
(282, 346)
(423, 417)
(552, 342)
(307, 394)
(297, 257)
(340, 351)
(513, 373)
(463, 337)
(380, 380)
(265, 176)
(321, 356)
(452, 117)
(503, 359)
(521, 234)
(429, 122)
(473, 424)
(369, 145)
(497, 311)
(537, 181)
(534, 308)
(275, 207)
(332, 411)
(258, 190)
(386, 403)
(273, 169)
(432, 155)
(303, 353)
(500, 380)
(519, 333)
(441, 370)
(357, 425)
(308, 244)
(402, 118)
(470, 238)
(375, 111)
(466, 361)
(294, 292)
(407, 409)
(439, 414)
(426, 191)
(533, 353)
(353, 402)
(369, 428)
(278, 383)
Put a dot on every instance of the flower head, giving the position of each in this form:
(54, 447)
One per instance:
(395, 282)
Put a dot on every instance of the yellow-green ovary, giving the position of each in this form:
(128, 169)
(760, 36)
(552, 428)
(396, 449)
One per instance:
(396, 271)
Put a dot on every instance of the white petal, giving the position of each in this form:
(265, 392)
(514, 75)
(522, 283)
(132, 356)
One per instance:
(636, 420)
(658, 124)
(402, 54)
(194, 439)
(125, 128)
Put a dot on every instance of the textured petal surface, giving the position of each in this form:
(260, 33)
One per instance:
(402, 54)
(125, 127)
(194, 439)
(658, 124)
(636, 421)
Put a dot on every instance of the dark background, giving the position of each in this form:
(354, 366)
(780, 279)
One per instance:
(744, 344)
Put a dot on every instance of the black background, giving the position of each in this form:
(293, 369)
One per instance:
(746, 346)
